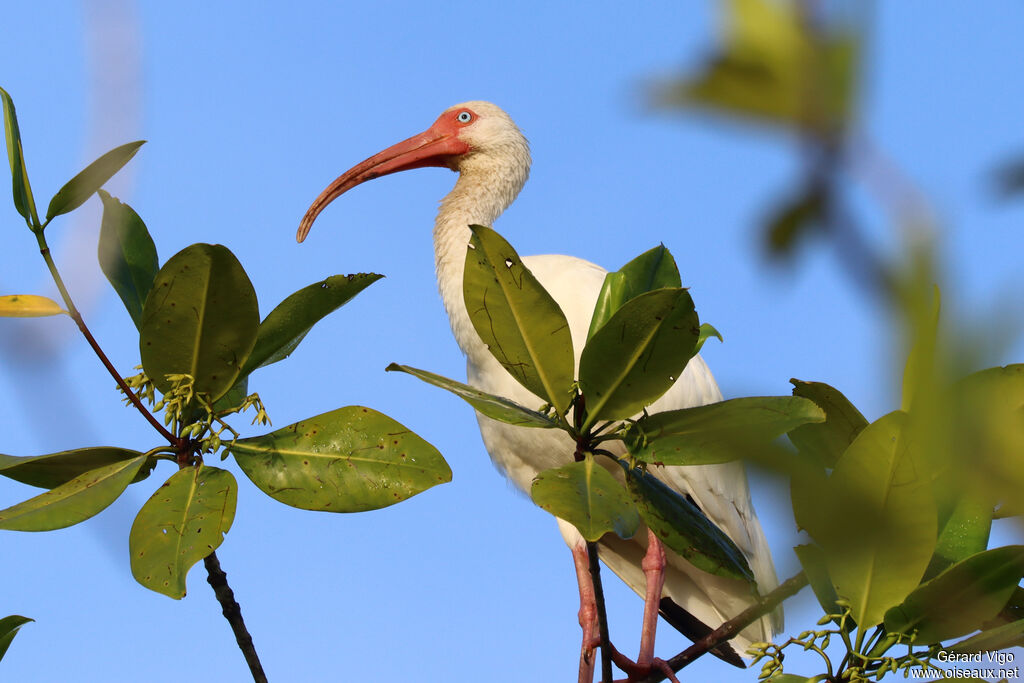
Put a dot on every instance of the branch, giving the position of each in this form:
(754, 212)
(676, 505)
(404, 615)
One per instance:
(218, 580)
(602, 615)
(785, 590)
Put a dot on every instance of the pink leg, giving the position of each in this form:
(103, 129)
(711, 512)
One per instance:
(588, 612)
(654, 569)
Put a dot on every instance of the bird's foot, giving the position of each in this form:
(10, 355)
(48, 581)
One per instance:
(637, 671)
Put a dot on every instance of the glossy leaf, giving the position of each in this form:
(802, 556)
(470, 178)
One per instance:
(707, 330)
(494, 407)
(587, 496)
(200, 319)
(879, 554)
(637, 355)
(718, 432)
(285, 326)
(74, 501)
(28, 306)
(685, 529)
(183, 521)
(962, 598)
(51, 470)
(8, 629)
(826, 441)
(991, 640)
(93, 177)
(653, 269)
(518, 321)
(127, 255)
(348, 460)
(23, 200)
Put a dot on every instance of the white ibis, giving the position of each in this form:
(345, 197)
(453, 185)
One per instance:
(492, 157)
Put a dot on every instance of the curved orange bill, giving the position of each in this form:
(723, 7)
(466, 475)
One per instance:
(436, 146)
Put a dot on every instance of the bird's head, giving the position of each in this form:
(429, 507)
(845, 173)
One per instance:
(473, 138)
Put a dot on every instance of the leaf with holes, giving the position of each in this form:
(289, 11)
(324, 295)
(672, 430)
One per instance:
(637, 355)
(495, 407)
(684, 528)
(183, 521)
(348, 460)
(285, 326)
(653, 269)
(587, 496)
(518, 321)
(717, 432)
(51, 470)
(28, 306)
(200, 319)
(74, 501)
(23, 200)
(127, 255)
(92, 178)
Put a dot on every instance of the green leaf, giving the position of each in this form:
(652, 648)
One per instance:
(200, 319)
(653, 269)
(518, 321)
(127, 255)
(74, 501)
(183, 521)
(494, 407)
(286, 325)
(718, 432)
(684, 528)
(772, 68)
(787, 678)
(587, 496)
(8, 629)
(878, 526)
(991, 640)
(707, 330)
(795, 219)
(51, 470)
(962, 598)
(348, 460)
(815, 566)
(93, 177)
(28, 306)
(965, 533)
(23, 200)
(637, 355)
(825, 441)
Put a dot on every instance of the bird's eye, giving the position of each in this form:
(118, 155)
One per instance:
(464, 117)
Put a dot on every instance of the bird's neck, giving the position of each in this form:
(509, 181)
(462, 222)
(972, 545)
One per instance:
(477, 199)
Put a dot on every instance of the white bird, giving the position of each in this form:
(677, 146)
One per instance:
(492, 157)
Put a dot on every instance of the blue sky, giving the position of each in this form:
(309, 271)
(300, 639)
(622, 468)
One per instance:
(250, 112)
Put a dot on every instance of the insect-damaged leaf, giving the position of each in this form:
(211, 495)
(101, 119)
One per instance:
(348, 460)
(183, 521)
(518, 321)
(587, 496)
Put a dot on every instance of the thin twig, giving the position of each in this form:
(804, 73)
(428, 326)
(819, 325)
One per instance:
(602, 616)
(218, 580)
(730, 628)
(83, 328)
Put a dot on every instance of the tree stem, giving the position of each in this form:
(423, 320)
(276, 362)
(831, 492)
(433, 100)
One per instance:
(218, 580)
(602, 616)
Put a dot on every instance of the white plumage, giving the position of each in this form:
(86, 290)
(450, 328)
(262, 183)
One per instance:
(481, 143)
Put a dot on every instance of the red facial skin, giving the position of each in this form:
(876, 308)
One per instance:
(439, 145)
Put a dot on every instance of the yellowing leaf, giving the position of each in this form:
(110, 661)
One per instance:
(28, 306)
